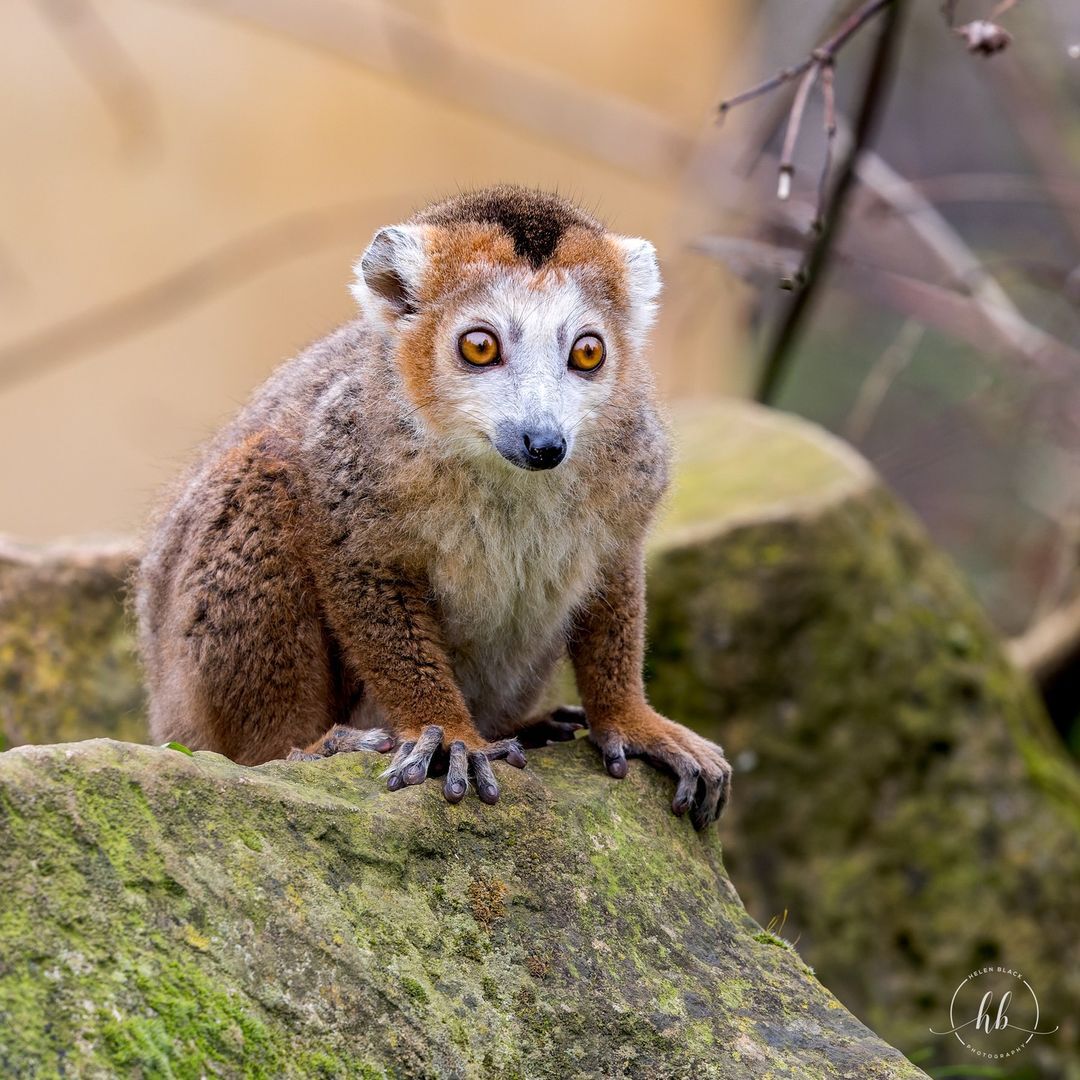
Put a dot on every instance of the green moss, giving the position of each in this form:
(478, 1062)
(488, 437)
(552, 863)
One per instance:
(897, 784)
(154, 940)
(414, 990)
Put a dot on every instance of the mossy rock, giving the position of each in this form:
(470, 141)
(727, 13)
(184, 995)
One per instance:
(176, 915)
(68, 667)
(898, 790)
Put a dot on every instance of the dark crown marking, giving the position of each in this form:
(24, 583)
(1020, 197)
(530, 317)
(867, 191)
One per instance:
(535, 220)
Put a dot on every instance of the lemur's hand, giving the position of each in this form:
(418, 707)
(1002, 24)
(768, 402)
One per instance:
(702, 771)
(417, 759)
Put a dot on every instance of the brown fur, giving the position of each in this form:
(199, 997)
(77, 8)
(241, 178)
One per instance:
(307, 574)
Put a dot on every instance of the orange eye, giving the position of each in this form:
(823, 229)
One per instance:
(479, 348)
(587, 353)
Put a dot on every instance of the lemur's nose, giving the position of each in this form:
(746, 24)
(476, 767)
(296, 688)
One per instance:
(544, 448)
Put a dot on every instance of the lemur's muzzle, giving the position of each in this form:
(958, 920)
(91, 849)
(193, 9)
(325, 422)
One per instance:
(536, 447)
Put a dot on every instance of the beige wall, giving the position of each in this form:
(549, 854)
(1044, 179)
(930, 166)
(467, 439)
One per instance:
(249, 126)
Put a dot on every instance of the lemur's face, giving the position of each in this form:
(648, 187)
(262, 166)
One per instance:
(524, 364)
(513, 344)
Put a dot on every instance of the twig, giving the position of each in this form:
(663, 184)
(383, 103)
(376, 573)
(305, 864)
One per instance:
(877, 83)
(879, 380)
(106, 66)
(179, 290)
(798, 107)
(777, 80)
(829, 96)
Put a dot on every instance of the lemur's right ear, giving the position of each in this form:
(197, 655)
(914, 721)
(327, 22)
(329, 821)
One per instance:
(391, 268)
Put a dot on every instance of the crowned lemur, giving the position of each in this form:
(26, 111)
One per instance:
(395, 541)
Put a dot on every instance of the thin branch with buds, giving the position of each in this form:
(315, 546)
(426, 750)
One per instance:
(819, 64)
(809, 276)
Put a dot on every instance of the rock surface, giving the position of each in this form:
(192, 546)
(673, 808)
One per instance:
(175, 915)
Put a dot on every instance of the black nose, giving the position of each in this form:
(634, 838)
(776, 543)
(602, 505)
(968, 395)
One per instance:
(544, 449)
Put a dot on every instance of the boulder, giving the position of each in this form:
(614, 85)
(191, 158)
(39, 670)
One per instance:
(167, 914)
(68, 667)
(899, 795)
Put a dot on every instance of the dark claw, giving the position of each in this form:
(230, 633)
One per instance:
(484, 775)
(457, 775)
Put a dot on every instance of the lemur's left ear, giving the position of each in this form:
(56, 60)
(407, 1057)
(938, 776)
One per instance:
(643, 270)
(391, 269)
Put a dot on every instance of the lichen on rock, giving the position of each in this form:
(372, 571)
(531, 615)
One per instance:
(174, 915)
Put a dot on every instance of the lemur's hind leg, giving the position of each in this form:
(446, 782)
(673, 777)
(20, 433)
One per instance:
(247, 635)
(559, 725)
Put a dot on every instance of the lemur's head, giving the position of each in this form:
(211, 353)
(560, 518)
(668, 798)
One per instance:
(518, 319)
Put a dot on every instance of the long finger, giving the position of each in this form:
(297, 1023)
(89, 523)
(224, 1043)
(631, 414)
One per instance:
(614, 754)
(711, 804)
(457, 775)
(415, 769)
(508, 749)
(687, 787)
(397, 763)
(484, 775)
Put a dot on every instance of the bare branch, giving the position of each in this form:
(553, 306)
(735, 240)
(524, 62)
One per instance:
(198, 281)
(829, 94)
(879, 380)
(807, 71)
(878, 80)
(951, 312)
(954, 255)
(106, 66)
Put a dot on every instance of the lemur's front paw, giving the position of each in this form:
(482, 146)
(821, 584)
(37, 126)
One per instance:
(699, 766)
(559, 725)
(343, 739)
(417, 759)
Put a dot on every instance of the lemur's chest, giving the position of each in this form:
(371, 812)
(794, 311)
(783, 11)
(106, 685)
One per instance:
(505, 572)
(508, 569)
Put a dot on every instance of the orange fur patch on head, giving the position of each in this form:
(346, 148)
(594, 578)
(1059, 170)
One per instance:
(461, 257)
(597, 263)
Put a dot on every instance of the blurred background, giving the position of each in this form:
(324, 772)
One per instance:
(186, 184)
